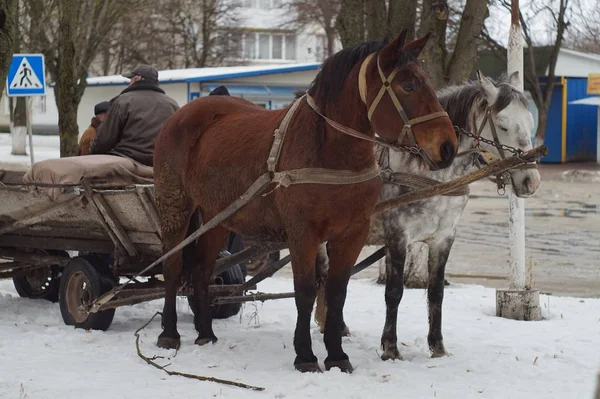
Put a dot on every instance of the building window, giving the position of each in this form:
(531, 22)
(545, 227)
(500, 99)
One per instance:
(249, 46)
(262, 4)
(229, 44)
(321, 48)
(263, 46)
(277, 47)
(290, 47)
(235, 45)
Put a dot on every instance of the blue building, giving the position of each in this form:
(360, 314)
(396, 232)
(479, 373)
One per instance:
(572, 128)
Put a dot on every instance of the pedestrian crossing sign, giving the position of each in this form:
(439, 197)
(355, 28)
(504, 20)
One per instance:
(26, 76)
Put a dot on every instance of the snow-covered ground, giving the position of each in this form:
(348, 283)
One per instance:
(490, 357)
(44, 147)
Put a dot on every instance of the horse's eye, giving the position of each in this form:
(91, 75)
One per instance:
(503, 129)
(409, 87)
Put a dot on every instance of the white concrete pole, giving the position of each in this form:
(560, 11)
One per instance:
(516, 209)
(519, 301)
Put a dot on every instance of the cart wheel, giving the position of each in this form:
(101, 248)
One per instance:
(40, 283)
(81, 283)
(232, 276)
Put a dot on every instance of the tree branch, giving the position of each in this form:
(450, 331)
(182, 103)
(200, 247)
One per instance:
(152, 363)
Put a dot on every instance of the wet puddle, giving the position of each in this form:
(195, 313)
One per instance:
(576, 213)
(575, 209)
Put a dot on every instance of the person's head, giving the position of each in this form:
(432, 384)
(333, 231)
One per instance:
(142, 72)
(100, 110)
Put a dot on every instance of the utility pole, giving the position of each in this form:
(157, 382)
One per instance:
(518, 302)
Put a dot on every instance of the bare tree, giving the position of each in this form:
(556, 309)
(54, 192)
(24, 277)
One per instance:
(350, 23)
(386, 19)
(585, 35)
(540, 91)
(306, 13)
(11, 42)
(8, 24)
(375, 20)
(176, 34)
(452, 50)
(452, 68)
(70, 33)
(402, 14)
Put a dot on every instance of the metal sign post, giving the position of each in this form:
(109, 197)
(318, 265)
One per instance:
(29, 127)
(27, 78)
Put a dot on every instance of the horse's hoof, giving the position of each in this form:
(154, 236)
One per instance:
(308, 367)
(168, 343)
(343, 365)
(391, 354)
(345, 331)
(438, 350)
(204, 340)
(439, 353)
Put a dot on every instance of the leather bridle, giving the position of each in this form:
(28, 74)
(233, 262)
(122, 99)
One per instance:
(408, 123)
(386, 86)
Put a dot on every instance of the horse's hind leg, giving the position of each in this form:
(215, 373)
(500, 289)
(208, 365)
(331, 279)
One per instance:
(394, 289)
(303, 249)
(438, 256)
(174, 218)
(207, 250)
(343, 252)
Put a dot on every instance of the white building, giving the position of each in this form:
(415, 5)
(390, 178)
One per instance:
(265, 35)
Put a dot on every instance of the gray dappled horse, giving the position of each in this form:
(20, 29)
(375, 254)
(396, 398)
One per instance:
(433, 221)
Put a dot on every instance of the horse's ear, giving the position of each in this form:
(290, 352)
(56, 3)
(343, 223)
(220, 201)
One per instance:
(491, 92)
(514, 80)
(415, 47)
(393, 48)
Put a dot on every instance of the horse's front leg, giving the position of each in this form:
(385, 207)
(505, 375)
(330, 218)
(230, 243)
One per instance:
(394, 289)
(343, 252)
(438, 256)
(303, 250)
(322, 267)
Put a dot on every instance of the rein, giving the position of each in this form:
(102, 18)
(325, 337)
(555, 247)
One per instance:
(410, 180)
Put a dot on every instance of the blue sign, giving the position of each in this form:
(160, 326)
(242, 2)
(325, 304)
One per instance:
(26, 76)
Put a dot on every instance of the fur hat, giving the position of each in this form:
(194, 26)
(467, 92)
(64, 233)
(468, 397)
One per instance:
(219, 91)
(101, 107)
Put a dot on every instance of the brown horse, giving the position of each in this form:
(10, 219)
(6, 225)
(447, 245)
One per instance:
(215, 147)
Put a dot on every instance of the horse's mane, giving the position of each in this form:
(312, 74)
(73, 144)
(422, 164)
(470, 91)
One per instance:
(329, 82)
(459, 100)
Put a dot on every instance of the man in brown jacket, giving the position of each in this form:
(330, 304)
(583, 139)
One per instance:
(90, 133)
(135, 117)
